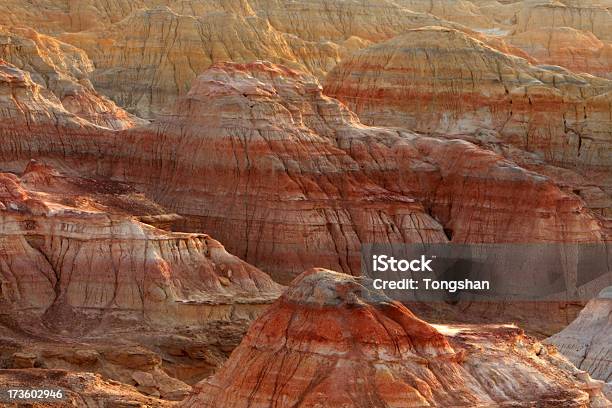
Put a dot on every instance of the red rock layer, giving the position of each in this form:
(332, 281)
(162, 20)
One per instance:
(441, 80)
(289, 178)
(271, 178)
(147, 60)
(147, 53)
(68, 248)
(331, 341)
(34, 123)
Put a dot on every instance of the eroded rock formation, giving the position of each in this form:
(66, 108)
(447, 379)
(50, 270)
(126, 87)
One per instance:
(160, 52)
(34, 123)
(578, 51)
(443, 81)
(155, 309)
(79, 389)
(592, 16)
(71, 251)
(145, 61)
(305, 183)
(331, 341)
(94, 277)
(290, 178)
(586, 341)
(147, 53)
(64, 70)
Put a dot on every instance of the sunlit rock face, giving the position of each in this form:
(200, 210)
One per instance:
(69, 246)
(586, 341)
(147, 53)
(34, 123)
(64, 71)
(578, 51)
(329, 341)
(252, 154)
(148, 59)
(443, 81)
(289, 178)
(123, 122)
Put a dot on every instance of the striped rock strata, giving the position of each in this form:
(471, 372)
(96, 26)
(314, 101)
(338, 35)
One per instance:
(578, 51)
(438, 80)
(330, 341)
(289, 178)
(70, 251)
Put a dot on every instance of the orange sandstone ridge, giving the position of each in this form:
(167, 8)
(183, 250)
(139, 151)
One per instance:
(591, 15)
(493, 126)
(147, 54)
(439, 80)
(329, 341)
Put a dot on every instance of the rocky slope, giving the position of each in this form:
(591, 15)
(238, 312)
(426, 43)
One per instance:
(160, 52)
(95, 278)
(578, 51)
(442, 81)
(86, 287)
(34, 122)
(64, 70)
(274, 182)
(331, 341)
(70, 251)
(472, 14)
(306, 183)
(158, 363)
(147, 53)
(586, 341)
(152, 56)
(591, 16)
(146, 60)
(88, 263)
